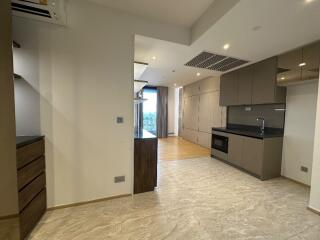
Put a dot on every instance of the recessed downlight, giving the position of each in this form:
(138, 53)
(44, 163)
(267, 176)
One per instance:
(175, 84)
(302, 64)
(283, 78)
(198, 74)
(308, 1)
(154, 58)
(226, 46)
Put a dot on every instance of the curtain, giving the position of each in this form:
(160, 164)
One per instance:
(162, 112)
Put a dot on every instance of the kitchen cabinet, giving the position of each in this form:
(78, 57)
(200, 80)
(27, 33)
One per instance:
(252, 157)
(254, 84)
(190, 112)
(288, 66)
(245, 79)
(229, 89)
(261, 158)
(311, 58)
(264, 86)
(235, 150)
(290, 69)
(201, 111)
(204, 139)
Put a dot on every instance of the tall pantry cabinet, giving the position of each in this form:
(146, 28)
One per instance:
(201, 111)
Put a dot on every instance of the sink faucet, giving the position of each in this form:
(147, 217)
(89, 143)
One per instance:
(262, 124)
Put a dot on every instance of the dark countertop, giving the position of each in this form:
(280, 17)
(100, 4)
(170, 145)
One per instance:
(143, 134)
(25, 140)
(251, 131)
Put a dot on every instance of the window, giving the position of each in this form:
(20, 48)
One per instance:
(150, 110)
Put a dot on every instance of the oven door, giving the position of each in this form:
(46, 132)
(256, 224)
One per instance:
(220, 143)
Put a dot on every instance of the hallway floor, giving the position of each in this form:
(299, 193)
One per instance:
(196, 199)
(174, 148)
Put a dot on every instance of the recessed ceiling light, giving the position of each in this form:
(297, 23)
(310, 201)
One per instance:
(302, 64)
(283, 78)
(308, 1)
(154, 58)
(226, 46)
(175, 84)
(198, 74)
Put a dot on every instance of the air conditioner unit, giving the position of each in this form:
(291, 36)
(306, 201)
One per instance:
(52, 11)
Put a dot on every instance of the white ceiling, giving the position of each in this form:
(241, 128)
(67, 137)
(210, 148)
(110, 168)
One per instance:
(178, 12)
(284, 25)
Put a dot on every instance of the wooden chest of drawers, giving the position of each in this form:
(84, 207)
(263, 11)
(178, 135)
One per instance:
(31, 185)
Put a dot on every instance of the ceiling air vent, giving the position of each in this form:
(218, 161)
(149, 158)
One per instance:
(215, 62)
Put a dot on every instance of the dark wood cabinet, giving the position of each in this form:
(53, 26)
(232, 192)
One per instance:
(245, 79)
(229, 89)
(145, 164)
(31, 184)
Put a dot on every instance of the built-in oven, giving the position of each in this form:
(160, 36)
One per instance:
(220, 142)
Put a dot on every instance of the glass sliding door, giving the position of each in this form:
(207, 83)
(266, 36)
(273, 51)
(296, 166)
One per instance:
(149, 110)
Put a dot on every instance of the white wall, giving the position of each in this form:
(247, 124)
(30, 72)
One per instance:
(171, 111)
(299, 131)
(315, 178)
(84, 73)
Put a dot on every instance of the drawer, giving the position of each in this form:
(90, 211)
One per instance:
(30, 172)
(30, 216)
(29, 153)
(31, 190)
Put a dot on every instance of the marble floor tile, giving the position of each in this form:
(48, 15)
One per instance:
(195, 199)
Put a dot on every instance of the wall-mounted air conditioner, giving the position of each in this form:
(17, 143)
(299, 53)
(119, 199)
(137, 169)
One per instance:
(52, 11)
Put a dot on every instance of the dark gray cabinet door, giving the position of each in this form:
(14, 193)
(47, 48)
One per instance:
(235, 149)
(253, 155)
(229, 89)
(245, 77)
(288, 66)
(264, 81)
(311, 59)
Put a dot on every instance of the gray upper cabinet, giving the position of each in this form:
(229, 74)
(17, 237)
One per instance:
(264, 81)
(311, 58)
(254, 84)
(245, 78)
(299, 65)
(288, 66)
(229, 89)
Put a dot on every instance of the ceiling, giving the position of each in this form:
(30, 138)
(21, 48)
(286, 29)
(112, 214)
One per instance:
(177, 12)
(255, 30)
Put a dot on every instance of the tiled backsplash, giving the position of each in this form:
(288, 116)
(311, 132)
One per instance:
(274, 115)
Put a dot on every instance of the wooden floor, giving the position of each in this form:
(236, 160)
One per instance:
(176, 148)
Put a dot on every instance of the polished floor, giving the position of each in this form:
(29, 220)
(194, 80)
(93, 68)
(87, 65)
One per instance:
(196, 199)
(173, 148)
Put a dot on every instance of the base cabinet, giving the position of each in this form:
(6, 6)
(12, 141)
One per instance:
(259, 157)
(145, 164)
(252, 157)
(31, 178)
